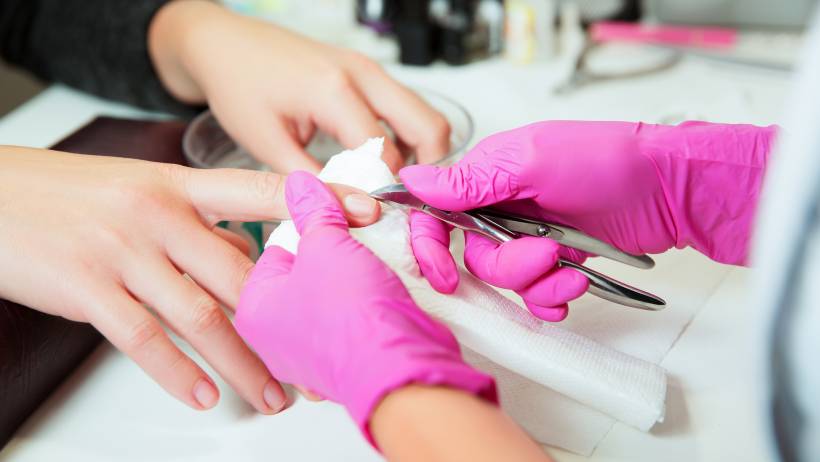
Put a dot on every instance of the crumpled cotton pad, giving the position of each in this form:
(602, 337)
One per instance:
(500, 331)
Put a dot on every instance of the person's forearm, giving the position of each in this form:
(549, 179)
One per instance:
(441, 424)
(168, 38)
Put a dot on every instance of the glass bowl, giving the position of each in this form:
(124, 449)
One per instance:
(206, 145)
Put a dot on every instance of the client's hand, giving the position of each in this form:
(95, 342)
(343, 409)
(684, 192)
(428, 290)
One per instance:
(642, 188)
(337, 321)
(94, 238)
(271, 88)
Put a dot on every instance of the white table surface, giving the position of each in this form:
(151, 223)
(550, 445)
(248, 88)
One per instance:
(711, 414)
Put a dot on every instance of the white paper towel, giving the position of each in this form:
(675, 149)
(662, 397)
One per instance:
(629, 389)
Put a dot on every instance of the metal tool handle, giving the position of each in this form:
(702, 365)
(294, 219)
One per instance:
(563, 235)
(600, 285)
(616, 291)
(578, 240)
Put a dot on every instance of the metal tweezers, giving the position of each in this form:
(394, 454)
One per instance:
(503, 227)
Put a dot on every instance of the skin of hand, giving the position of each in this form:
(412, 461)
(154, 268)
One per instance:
(642, 188)
(94, 239)
(416, 423)
(271, 89)
(336, 320)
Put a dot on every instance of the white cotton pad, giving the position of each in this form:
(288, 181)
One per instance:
(627, 388)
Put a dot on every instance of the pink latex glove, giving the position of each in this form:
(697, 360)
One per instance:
(337, 321)
(643, 188)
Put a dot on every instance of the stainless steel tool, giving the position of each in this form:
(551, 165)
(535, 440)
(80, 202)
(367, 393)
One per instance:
(503, 227)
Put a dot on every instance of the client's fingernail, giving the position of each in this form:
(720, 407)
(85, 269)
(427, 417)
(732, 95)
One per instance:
(274, 396)
(206, 394)
(359, 205)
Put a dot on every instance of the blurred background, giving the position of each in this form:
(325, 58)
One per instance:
(601, 39)
(15, 88)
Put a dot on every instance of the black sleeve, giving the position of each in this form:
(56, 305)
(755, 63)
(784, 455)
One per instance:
(98, 46)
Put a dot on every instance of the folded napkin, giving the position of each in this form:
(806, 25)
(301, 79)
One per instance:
(532, 355)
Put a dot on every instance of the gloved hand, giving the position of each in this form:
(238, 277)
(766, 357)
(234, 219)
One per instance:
(640, 187)
(337, 321)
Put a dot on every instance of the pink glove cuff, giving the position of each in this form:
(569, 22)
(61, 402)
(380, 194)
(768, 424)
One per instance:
(712, 176)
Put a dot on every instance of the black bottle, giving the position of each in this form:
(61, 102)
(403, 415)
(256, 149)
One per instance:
(416, 33)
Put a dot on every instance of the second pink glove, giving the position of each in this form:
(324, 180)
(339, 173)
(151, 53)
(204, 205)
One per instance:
(336, 320)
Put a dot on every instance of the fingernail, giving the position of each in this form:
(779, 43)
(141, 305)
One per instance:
(359, 205)
(206, 394)
(274, 396)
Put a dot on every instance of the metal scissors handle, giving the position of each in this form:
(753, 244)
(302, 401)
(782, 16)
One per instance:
(583, 73)
(564, 235)
(481, 221)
